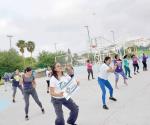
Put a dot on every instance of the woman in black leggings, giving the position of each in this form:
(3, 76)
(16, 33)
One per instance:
(16, 84)
(144, 61)
(29, 86)
(90, 69)
(135, 64)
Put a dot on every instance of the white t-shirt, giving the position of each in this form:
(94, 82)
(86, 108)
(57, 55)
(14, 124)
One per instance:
(57, 83)
(48, 75)
(103, 74)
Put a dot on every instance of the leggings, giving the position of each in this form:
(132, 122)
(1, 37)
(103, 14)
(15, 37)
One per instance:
(6, 83)
(15, 90)
(105, 83)
(90, 71)
(144, 65)
(74, 109)
(121, 73)
(127, 71)
(33, 93)
(136, 67)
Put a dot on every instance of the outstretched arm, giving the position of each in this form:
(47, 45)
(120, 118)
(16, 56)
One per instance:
(111, 70)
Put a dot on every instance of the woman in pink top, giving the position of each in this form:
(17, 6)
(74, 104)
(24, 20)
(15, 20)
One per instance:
(89, 69)
(136, 61)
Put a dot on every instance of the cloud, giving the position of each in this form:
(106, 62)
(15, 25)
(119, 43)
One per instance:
(63, 21)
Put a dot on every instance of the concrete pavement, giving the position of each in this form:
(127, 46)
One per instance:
(132, 107)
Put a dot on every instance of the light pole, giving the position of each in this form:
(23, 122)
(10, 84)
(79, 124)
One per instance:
(55, 45)
(87, 28)
(10, 38)
(113, 34)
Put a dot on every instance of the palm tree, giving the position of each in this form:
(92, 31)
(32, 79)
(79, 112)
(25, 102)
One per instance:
(30, 47)
(21, 45)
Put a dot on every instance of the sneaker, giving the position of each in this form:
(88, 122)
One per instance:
(112, 98)
(130, 77)
(138, 72)
(27, 117)
(105, 107)
(43, 111)
(14, 101)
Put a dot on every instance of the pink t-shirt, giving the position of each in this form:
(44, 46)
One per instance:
(89, 66)
(135, 60)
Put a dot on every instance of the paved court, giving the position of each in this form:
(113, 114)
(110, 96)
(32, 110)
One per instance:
(132, 107)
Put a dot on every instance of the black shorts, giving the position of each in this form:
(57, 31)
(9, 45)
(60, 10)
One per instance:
(48, 82)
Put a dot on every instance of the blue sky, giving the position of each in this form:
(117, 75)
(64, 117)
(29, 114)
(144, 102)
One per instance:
(62, 21)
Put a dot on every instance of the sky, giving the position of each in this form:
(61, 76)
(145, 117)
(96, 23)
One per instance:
(47, 22)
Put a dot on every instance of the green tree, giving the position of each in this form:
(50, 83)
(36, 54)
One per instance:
(75, 59)
(89, 56)
(28, 62)
(46, 59)
(21, 45)
(10, 61)
(30, 47)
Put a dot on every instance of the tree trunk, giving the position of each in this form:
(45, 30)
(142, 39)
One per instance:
(23, 61)
(31, 60)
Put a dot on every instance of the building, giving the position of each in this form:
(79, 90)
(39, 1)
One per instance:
(137, 42)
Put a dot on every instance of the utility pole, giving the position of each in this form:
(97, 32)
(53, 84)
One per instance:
(10, 38)
(55, 45)
(89, 44)
(114, 41)
(113, 34)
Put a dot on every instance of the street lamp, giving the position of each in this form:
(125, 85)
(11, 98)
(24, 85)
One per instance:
(87, 28)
